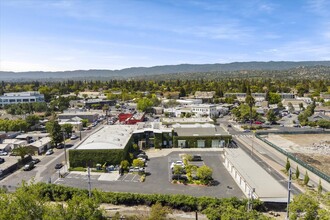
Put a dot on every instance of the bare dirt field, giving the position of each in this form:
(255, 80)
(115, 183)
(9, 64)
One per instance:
(314, 149)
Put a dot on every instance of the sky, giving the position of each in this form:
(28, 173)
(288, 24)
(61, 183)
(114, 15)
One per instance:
(58, 35)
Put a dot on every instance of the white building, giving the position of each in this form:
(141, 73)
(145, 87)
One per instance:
(204, 110)
(21, 97)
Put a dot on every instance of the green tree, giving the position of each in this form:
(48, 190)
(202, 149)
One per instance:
(291, 108)
(144, 104)
(159, 212)
(303, 206)
(287, 165)
(297, 173)
(325, 124)
(32, 120)
(204, 173)
(124, 164)
(274, 98)
(22, 151)
(271, 117)
(137, 163)
(84, 122)
(54, 129)
(178, 170)
(319, 187)
(67, 129)
(249, 100)
(306, 178)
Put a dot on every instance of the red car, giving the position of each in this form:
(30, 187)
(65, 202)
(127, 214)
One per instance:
(257, 122)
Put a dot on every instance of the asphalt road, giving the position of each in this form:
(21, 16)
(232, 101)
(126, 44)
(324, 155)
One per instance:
(45, 170)
(278, 177)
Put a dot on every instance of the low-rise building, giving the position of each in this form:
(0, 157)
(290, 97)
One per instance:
(40, 146)
(325, 96)
(206, 96)
(295, 103)
(90, 116)
(324, 110)
(317, 117)
(21, 97)
(200, 136)
(204, 110)
(259, 97)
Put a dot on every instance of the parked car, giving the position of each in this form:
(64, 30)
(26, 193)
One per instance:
(58, 166)
(28, 166)
(144, 156)
(49, 152)
(179, 177)
(35, 161)
(258, 122)
(73, 137)
(60, 146)
(137, 169)
(2, 160)
(3, 153)
(178, 163)
(196, 158)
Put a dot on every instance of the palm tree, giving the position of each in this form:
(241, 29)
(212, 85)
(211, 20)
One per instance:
(22, 151)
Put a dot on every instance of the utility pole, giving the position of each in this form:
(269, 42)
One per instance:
(89, 182)
(289, 194)
(66, 162)
(250, 200)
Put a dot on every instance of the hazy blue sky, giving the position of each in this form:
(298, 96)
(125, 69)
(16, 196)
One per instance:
(110, 34)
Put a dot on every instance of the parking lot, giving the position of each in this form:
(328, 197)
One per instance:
(129, 177)
(158, 180)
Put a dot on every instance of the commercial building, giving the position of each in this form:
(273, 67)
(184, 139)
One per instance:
(110, 145)
(259, 97)
(21, 97)
(90, 116)
(200, 136)
(204, 110)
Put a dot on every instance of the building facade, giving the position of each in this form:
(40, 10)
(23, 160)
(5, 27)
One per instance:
(21, 97)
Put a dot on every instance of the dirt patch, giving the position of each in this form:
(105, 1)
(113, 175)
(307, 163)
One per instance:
(145, 210)
(313, 149)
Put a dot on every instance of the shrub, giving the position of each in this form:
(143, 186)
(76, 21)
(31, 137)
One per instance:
(306, 178)
(80, 158)
(124, 165)
(82, 169)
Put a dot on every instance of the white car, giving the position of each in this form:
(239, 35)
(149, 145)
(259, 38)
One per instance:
(49, 152)
(177, 163)
(3, 153)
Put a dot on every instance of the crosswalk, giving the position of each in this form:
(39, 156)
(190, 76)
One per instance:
(243, 135)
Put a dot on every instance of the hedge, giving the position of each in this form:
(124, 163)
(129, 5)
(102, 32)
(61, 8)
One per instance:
(55, 192)
(191, 141)
(81, 158)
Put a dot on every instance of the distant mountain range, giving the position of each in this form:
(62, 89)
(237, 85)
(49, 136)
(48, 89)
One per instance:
(140, 72)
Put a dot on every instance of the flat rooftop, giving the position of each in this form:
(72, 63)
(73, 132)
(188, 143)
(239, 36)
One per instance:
(266, 187)
(186, 120)
(109, 137)
(199, 130)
